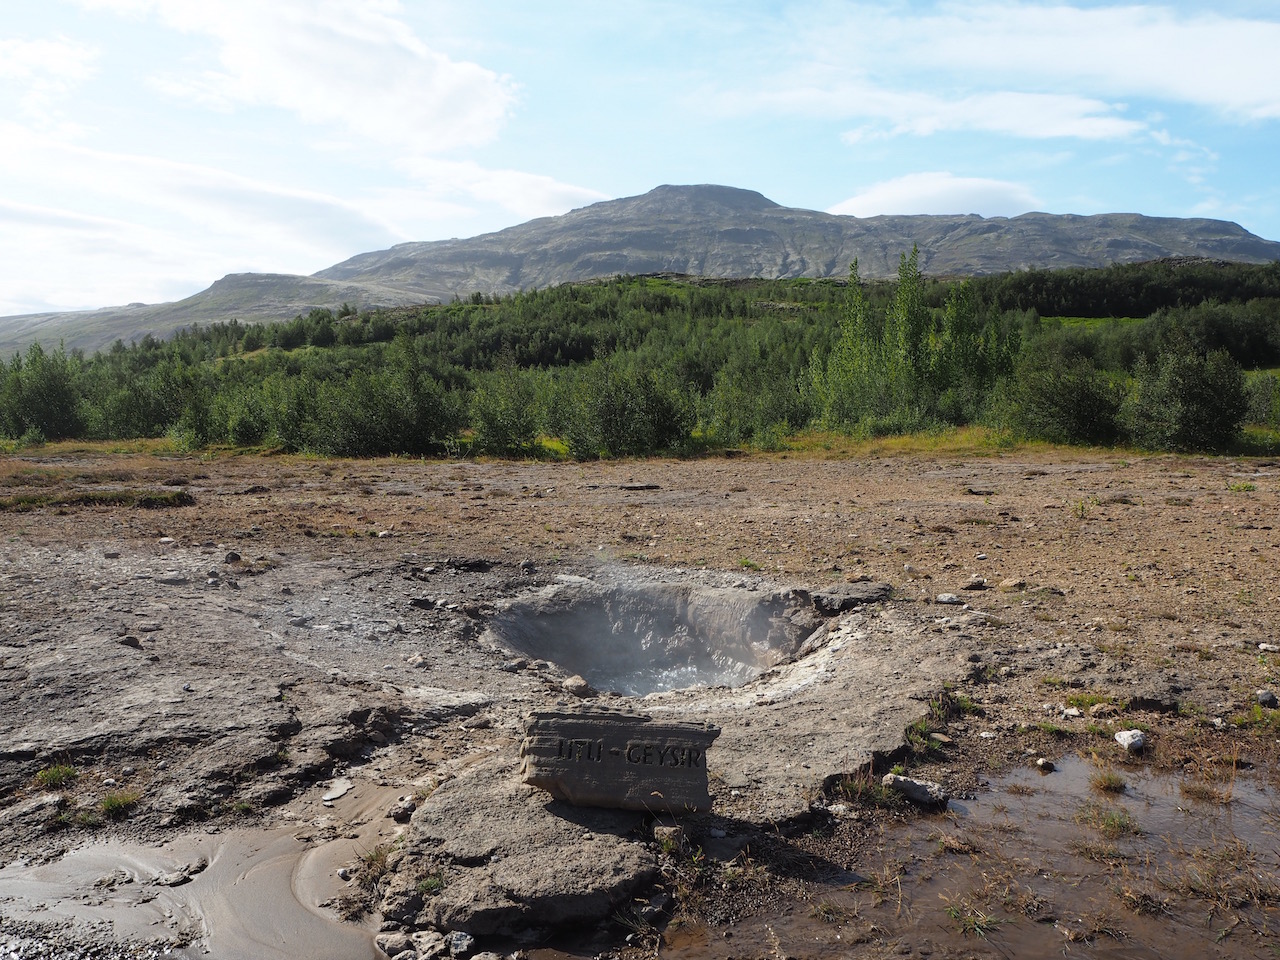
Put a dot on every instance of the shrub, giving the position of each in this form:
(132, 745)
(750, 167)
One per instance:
(617, 413)
(1066, 402)
(504, 413)
(1263, 393)
(1187, 402)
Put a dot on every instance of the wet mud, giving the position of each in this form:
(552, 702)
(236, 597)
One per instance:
(239, 894)
(1095, 859)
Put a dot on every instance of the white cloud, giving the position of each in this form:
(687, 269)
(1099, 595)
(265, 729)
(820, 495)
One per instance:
(1030, 115)
(527, 195)
(939, 193)
(45, 72)
(158, 228)
(349, 65)
(1030, 70)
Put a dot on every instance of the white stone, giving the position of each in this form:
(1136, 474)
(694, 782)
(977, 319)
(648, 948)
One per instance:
(1132, 740)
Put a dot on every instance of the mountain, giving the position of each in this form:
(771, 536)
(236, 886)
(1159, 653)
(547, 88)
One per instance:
(706, 230)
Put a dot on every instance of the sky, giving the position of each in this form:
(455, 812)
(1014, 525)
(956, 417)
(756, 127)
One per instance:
(149, 147)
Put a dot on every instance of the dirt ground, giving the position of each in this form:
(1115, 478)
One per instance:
(207, 660)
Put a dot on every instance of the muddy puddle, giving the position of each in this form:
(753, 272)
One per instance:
(1090, 860)
(238, 894)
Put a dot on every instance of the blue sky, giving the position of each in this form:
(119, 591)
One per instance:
(148, 147)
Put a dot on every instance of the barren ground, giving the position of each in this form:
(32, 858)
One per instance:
(206, 666)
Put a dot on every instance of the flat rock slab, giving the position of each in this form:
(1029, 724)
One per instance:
(509, 859)
(618, 759)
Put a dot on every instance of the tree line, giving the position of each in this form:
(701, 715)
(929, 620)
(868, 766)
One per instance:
(640, 365)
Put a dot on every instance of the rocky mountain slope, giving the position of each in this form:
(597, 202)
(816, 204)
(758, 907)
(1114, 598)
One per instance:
(703, 230)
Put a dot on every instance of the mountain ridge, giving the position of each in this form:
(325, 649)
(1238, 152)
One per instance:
(701, 230)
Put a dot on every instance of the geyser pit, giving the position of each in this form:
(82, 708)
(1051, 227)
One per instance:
(640, 635)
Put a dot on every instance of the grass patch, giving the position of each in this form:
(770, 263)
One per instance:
(1111, 822)
(373, 867)
(431, 884)
(1259, 719)
(865, 789)
(1083, 701)
(1107, 781)
(56, 777)
(972, 921)
(119, 804)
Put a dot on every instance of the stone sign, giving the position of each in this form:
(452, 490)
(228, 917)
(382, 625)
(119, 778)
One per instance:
(611, 758)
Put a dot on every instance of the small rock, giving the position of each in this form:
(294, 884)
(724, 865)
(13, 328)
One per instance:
(231, 557)
(1268, 648)
(1013, 585)
(941, 738)
(344, 873)
(166, 541)
(1071, 713)
(1132, 740)
(988, 735)
(129, 640)
(430, 945)
(402, 809)
(1267, 698)
(1044, 765)
(923, 792)
(514, 665)
(460, 944)
(393, 944)
(577, 686)
(111, 555)
(526, 566)
(1103, 710)
(174, 878)
(975, 583)
(128, 771)
(948, 598)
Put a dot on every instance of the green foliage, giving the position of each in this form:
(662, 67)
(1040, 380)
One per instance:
(504, 413)
(618, 412)
(641, 365)
(1263, 392)
(1187, 401)
(1066, 401)
(913, 366)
